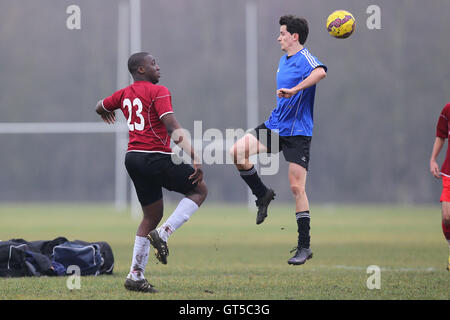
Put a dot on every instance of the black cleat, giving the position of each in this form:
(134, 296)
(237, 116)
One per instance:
(139, 286)
(262, 204)
(300, 256)
(161, 249)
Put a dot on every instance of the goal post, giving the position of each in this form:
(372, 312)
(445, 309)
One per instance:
(135, 46)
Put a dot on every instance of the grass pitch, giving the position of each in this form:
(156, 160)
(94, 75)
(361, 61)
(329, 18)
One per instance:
(221, 254)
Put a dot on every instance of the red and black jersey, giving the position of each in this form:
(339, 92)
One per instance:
(442, 131)
(144, 104)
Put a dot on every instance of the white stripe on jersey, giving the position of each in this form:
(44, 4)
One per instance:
(105, 108)
(167, 95)
(145, 151)
(165, 114)
(310, 59)
(313, 59)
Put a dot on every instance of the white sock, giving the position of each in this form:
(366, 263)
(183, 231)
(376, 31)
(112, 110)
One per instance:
(182, 213)
(140, 258)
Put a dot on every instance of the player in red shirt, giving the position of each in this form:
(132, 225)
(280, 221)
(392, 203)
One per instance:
(151, 163)
(442, 133)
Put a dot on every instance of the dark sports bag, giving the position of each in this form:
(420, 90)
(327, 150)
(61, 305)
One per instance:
(86, 256)
(108, 257)
(106, 253)
(20, 258)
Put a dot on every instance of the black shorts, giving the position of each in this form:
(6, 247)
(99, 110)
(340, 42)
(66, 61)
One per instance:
(151, 172)
(295, 148)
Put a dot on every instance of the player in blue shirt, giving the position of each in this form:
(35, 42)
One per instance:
(290, 125)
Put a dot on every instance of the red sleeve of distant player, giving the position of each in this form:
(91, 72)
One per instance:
(163, 102)
(113, 102)
(442, 125)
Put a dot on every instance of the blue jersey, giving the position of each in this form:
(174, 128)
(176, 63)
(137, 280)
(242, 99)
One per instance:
(294, 116)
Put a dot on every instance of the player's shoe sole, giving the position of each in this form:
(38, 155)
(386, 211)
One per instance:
(300, 256)
(139, 286)
(262, 204)
(161, 249)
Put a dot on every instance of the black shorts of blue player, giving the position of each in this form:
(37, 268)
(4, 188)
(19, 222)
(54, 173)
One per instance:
(295, 148)
(150, 172)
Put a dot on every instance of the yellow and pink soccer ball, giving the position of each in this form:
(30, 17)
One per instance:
(341, 24)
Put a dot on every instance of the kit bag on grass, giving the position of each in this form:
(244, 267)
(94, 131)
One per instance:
(86, 256)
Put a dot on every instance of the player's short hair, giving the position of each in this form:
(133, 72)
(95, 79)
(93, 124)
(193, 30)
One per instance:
(135, 61)
(296, 25)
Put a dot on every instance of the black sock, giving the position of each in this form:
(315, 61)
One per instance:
(303, 219)
(254, 182)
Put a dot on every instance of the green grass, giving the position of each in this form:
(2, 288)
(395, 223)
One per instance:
(222, 254)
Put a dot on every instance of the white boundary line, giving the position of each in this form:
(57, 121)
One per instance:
(387, 269)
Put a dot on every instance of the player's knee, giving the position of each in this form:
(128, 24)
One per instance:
(297, 190)
(202, 190)
(446, 220)
(446, 215)
(234, 152)
(238, 153)
(199, 193)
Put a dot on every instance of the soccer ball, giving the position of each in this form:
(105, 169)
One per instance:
(341, 24)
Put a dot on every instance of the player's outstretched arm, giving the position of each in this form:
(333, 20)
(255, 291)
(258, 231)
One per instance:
(107, 116)
(434, 167)
(315, 76)
(179, 136)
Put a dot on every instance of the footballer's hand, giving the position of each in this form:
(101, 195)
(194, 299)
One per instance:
(197, 176)
(285, 93)
(434, 168)
(109, 117)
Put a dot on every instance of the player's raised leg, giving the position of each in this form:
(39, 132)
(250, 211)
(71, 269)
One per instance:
(241, 152)
(297, 181)
(183, 212)
(446, 227)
